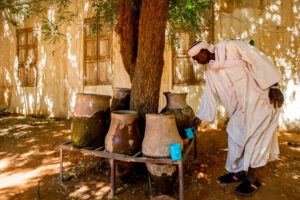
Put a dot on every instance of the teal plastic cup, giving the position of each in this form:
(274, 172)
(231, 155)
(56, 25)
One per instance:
(175, 151)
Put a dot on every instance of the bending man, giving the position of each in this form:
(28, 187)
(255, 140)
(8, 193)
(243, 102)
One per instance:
(245, 81)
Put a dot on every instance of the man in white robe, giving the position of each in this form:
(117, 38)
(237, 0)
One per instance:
(244, 80)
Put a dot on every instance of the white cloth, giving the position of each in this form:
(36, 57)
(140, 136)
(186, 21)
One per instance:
(253, 120)
(228, 63)
(262, 69)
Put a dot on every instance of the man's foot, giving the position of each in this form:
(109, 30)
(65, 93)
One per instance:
(232, 177)
(247, 188)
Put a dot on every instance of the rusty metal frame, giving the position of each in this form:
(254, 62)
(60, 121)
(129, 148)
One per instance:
(100, 152)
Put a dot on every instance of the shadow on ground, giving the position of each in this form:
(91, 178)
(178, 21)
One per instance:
(29, 167)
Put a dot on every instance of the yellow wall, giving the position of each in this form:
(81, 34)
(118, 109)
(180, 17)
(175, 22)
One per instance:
(60, 72)
(273, 24)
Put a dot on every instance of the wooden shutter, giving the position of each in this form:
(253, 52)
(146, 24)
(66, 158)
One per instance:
(22, 55)
(91, 61)
(104, 59)
(31, 58)
(185, 71)
(90, 54)
(198, 73)
(97, 55)
(31, 76)
(27, 56)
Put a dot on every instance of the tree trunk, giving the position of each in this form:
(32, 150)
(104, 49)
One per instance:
(146, 77)
(127, 28)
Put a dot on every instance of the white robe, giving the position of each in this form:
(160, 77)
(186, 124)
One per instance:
(252, 137)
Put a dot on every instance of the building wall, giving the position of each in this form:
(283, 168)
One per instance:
(273, 24)
(60, 71)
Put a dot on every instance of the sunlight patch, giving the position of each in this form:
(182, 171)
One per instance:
(4, 163)
(27, 177)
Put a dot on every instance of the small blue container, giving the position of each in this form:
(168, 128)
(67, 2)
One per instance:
(189, 132)
(175, 151)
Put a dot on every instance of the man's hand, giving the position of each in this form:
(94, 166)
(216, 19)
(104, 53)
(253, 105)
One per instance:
(196, 123)
(276, 97)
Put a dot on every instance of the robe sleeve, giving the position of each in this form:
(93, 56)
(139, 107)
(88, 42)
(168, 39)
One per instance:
(262, 69)
(209, 103)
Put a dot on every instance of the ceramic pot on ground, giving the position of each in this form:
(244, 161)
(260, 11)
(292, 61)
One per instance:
(121, 99)
(160, 133)
(184, 114)
(91, 119)
(123, 137)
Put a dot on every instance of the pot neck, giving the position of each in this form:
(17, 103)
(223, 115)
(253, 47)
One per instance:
(121, 92)
(176, 100)
(124, 115)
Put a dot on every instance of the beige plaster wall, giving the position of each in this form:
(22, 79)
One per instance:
(274, 25)
(7, 54)
(60, 71)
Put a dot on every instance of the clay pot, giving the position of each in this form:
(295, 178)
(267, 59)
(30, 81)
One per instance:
(160, 133)
(184, 114)
(123, 137)
(121, 99)
(91, 119)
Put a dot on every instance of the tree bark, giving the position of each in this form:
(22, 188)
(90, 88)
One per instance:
(146, 77)
(127, 28)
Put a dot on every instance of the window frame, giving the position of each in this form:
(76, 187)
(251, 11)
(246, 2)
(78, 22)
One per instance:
(184, 55)
(98, 58)
(30, 70)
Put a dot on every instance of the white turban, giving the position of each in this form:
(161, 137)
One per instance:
(197, 46)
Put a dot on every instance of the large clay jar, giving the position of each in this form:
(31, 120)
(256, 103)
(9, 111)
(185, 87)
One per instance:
(123, 137)
(91, 120)
(160, 133)
(184, 114)
(121, 99)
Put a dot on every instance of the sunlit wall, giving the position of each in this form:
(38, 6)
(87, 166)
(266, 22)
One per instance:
(60, 70)
(273, 24)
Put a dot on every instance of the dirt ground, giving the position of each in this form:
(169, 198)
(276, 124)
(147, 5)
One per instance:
(29, 167)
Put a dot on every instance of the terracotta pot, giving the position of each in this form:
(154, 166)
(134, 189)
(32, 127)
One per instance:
(184, 114)
(91, 119)
(160, 133)
(121, 99)
(123, 137)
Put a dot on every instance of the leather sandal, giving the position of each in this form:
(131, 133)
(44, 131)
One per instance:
(232, 178)
(247, 188)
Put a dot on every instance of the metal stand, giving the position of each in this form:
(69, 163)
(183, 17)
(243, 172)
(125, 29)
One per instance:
(100, 152)
(112, 177)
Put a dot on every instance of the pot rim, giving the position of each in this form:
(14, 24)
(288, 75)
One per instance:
(93, 95)
(155, 115)
(122, 89)
(124, 113)
(175, 93)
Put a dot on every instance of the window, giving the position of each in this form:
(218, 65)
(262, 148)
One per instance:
(185, 70)
(97, 54)
(27, 56)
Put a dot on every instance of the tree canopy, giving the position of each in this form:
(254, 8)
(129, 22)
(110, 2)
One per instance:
(183, 15)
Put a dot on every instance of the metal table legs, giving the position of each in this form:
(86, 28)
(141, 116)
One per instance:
(61, 164)
(113, 157)
(112, 177)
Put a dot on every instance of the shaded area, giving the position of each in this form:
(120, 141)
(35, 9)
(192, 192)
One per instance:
(29, 154)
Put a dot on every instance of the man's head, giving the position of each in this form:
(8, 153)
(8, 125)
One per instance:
(202, 52)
